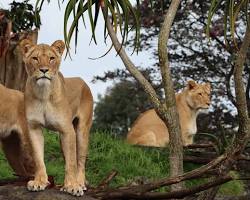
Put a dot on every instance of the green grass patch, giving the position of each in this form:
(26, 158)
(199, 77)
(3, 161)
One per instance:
(106, 153)
(5, 170)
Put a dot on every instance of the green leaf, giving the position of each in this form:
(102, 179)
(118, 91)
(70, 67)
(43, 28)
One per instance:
(90, 3)
(120, 11)
(137, 26)
(113, 14)
(70, 6)
(125, 20)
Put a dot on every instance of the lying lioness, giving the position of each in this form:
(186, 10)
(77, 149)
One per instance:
(150, 130)
(60, 104)
(14, 132)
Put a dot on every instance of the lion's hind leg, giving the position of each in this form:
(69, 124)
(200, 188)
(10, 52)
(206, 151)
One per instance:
(12, 149)
(82, 141)
(148, 138)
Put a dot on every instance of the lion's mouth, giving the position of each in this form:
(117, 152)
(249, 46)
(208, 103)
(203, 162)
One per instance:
(203, 107)
(43, 77)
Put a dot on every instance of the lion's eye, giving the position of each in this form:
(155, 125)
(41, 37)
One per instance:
(35, 58)
(52, 58)
(200, 94)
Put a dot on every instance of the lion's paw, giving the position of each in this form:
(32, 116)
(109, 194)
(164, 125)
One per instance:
(84, 187)
(37, 185)
(82, 181)
(74, 190)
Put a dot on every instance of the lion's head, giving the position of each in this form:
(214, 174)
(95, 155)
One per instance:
(42, 61)
(198, 95)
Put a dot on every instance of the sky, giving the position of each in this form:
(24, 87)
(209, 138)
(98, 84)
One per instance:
(80, 65)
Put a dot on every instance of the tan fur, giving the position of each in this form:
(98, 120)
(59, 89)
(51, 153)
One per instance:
(150, 130)
(14, 132)
(61, 104)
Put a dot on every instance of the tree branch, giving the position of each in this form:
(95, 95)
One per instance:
(241, 102)
(130, 194)
(145, 188)
(130, 65)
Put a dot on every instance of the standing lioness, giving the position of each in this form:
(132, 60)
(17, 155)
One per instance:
(60, 104)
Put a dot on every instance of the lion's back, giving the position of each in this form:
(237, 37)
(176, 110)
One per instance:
(148, 130)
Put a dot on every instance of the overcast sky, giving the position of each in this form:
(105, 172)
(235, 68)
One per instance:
(81, 65)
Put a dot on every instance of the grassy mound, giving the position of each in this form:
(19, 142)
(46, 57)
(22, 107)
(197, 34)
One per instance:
(134, 164)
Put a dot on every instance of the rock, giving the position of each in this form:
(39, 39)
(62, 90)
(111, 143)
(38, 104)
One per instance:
(10, 192)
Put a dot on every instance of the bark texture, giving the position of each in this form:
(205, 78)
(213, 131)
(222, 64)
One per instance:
(170, 115)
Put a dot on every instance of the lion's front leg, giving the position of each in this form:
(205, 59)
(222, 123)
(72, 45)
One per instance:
(189, 140)
(41, 179)
(68, 143)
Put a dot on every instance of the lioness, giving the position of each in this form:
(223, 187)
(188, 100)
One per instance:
(14, 132)
(60, 104)
(150, 130)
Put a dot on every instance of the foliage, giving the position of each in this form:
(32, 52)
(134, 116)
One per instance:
(23, 16)
(134, 164)
(232, 11)
(120, 11)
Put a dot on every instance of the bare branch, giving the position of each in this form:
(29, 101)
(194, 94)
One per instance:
(186, 176)
(130, 194)
(228, 86)
(241, 102)
(130, 65)
(104, 183)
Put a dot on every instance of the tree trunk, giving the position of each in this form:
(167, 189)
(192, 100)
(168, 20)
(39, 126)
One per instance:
(12, 69)
(167, 111)
(170, 115)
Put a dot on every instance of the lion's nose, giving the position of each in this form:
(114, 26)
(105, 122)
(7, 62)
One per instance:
(44, 70)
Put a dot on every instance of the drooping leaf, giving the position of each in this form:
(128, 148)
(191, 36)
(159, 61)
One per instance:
(120, 11)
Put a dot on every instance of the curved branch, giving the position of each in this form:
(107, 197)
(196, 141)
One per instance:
(163, 53)
(164, 195)
(228, 87)
(130, 65)
(241, 102)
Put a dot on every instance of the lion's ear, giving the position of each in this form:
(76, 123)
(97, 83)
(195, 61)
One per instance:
(59, 46)
(191, 84)
(26, 45)
(207, 86)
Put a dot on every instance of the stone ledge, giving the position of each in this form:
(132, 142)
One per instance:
(10, 192)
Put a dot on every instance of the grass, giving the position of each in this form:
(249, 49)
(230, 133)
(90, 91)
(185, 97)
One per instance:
(5, 170)
(106, 153)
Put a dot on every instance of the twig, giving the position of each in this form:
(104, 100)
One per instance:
(105, 182)
(195, 146)
(198, 160)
